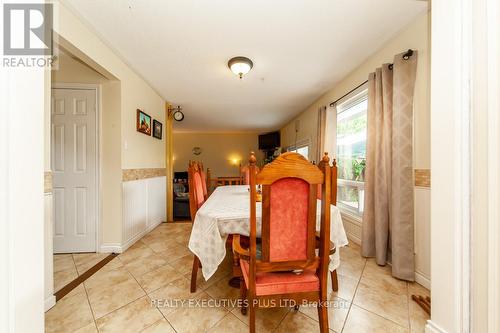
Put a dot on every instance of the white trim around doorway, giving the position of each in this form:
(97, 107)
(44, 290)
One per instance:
(97, 89)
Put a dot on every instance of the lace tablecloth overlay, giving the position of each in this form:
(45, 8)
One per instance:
(227, 211)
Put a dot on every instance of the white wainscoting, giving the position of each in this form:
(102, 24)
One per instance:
(143, 208)
(422, 234)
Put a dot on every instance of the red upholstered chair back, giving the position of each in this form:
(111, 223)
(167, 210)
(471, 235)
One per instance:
(198, 189)
(204, 183)
(289, 201)
(288, 216)
(196, 196)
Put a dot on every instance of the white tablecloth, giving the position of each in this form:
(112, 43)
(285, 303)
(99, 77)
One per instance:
(227, 211)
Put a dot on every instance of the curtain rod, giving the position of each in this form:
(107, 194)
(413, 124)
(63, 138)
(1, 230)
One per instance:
(406, 56)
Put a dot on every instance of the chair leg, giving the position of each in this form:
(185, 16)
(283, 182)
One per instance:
(335, 281)
(243, 296)
(323, 317)
(252, 316)
(194, 273)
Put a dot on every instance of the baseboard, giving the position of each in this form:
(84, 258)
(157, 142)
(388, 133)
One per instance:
(49, 302)
(422, 280)
(430, 327)
(141, 234)
(111, 248)
(353, 238)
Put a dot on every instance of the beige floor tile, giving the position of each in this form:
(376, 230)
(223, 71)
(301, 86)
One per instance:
(90, 328)
(201, 284)
(297, 322)
(63, 262)
(84, 261)
(146, 264)
(104, 301)
(347, 287)
(78, 290)
(222, 290)
(381, 277)
(355, 247)
(64, 277)
(161, 326)
(195, 319)
(69, 314)
(105, 279)
(266, 319)
(161, 263)
(418, 317)
(362, 321)
(337, 313)
(176, 290)
(417, 289)
(132, 318)
(173, 252)
(160, 244)
(351, 263)
(229, 324)
(136, 251)
(158, 278)
(183, 239)
(184, 264)
(383, 302)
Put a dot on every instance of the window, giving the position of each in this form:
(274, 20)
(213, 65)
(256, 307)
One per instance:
(351, 151)
(301, 149)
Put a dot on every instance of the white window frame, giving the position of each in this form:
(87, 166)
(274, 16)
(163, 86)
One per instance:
(356, 96)
(300, 144)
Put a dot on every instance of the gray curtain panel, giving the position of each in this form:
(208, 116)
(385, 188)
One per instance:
(387, 229)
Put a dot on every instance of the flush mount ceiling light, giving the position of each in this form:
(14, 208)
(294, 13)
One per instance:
(240, 65)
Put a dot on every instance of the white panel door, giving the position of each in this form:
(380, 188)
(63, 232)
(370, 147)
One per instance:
(74, 168)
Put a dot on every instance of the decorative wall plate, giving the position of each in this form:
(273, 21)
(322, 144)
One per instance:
(197, 150)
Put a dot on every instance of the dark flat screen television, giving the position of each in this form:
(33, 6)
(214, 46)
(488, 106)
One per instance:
(269, 141)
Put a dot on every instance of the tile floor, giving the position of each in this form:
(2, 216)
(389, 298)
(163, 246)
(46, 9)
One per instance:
(119, 297)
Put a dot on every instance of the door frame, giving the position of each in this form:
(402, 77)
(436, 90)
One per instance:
(96, 88)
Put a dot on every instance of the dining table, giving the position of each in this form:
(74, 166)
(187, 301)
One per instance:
(227, 212)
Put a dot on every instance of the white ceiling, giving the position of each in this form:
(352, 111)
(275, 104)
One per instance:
(300, 49)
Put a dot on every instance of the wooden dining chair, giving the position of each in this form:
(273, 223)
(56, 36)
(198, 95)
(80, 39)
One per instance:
(196, 193)
(288, 267)
(245, 174)
(196, 200)
(333, 201)
(204, 180)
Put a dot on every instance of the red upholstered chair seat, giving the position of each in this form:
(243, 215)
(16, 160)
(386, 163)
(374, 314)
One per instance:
(275, 283)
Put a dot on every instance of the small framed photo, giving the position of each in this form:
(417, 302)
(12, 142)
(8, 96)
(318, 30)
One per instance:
(143, 122)
(157, 129)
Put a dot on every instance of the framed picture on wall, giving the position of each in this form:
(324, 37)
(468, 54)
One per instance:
(157, 129)
(143, 123)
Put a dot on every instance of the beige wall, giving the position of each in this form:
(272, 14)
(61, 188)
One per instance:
(70, 70)
(122, 91)
(219, 149)
(138, 150)
(415, 36)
